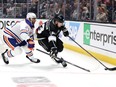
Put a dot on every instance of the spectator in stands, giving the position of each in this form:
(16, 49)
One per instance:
(68, 11)
(69, 8)
(20, 1)
(34, 7)
(10, 10)
(109, 11)
(24, 10)
(85, 14)
(75, 12)
(102, 15)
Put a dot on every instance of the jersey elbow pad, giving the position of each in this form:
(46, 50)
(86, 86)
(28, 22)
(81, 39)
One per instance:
(24, 36)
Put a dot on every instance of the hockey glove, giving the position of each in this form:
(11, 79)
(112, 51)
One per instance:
(40, 28)
(23, 43)
(66, 33)
(31, 44)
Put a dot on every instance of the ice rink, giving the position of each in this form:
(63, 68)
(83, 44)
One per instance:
(22, 73)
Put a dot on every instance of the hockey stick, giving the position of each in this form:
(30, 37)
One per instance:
(106, 68)
(66, 61)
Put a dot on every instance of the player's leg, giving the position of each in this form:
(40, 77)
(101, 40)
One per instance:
(29, 54)
(60, 48)
(59, 45)
(45, 44)
(15, 49)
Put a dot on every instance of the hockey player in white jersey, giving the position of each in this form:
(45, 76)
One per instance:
(20, 36)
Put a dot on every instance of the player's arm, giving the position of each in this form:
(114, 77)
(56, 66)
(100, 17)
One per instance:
(39, 31)
(26, 39)
(42, 31)
(24, 34)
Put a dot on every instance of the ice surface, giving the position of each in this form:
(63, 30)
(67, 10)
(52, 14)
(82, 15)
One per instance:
(22, 73)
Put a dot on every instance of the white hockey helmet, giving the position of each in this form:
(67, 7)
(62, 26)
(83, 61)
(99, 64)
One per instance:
(30, 15)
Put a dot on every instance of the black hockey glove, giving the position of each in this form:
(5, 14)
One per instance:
(66, 33)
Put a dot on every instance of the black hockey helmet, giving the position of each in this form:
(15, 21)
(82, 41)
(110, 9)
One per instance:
(59, 18)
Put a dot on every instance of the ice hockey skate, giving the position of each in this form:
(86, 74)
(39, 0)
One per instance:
(34, 60)
(53, 56)
(63, 62)
(58, 60)
(5, 59)
(55, 59)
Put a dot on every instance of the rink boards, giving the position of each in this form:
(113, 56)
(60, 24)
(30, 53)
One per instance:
(98, 39)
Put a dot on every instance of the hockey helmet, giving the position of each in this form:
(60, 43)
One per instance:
(30, 15)
(59, 18)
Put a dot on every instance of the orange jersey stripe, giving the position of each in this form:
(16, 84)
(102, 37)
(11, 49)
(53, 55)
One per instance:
(8, 43)
(10, 33)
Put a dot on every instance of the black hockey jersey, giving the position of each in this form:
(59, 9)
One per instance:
(50, 28)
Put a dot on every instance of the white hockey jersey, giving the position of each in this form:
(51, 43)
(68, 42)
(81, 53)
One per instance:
(20, 31)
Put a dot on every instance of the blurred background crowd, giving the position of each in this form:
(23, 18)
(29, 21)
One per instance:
(74, 10)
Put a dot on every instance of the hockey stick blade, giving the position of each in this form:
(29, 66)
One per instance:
(66, 61)
(110, 69)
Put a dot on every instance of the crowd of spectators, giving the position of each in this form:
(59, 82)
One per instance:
(82, 10)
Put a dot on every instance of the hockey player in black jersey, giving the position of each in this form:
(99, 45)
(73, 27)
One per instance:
(48, 36)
